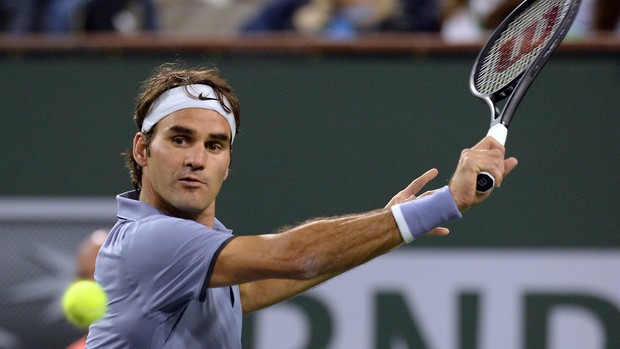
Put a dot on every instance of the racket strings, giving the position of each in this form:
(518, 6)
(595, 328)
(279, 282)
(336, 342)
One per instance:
(520, 44)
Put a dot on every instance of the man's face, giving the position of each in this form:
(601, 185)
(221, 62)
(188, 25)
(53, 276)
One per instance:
(187, 163)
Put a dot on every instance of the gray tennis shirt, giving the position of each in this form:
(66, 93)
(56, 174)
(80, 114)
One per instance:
(155, 270)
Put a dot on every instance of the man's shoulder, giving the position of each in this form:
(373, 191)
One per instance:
(163, 228)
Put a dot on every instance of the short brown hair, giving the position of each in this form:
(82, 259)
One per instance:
(166, 77)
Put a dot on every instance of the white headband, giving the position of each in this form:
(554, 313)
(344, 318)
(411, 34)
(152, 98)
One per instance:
(184, 97)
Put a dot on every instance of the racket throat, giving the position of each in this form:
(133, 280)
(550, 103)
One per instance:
(495, 110)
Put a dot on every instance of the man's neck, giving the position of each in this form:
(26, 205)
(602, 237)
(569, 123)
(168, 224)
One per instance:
(206, 217)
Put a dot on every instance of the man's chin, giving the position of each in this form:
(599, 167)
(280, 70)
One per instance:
(189, 208)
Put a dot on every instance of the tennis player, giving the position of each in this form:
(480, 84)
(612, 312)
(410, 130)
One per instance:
(176, 277)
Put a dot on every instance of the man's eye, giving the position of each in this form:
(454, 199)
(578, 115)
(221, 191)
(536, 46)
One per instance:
(179, 140)
(214, 146)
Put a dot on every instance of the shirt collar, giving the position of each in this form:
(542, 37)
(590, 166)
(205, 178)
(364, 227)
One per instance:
(130, 207)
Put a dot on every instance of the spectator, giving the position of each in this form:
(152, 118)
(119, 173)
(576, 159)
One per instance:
(85, 267)
(67, 16)
(468, 20)
(607, 15)
(416, 16)
(49, 16)
(597, 15)
(461, 20)
(345, 18)
(276, 15)
(115, 15)
(497, 14)
(4, 16)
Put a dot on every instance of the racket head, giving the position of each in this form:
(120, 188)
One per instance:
(517, 50)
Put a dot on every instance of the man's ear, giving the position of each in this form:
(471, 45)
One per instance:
(229, 164)
(140, 149)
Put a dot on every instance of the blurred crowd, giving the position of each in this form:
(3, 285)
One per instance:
(456, 20)
(65, 16)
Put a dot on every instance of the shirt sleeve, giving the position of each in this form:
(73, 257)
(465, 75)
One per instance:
(170, 260)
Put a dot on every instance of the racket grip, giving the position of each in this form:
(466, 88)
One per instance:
(499, 132)
(484, 181)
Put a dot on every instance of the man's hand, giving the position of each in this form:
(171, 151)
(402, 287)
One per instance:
(487, 155)
(413, 188)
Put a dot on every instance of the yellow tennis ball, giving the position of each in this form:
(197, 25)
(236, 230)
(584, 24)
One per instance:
(84, 302)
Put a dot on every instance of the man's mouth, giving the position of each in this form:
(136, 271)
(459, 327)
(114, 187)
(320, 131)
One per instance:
(193, 181)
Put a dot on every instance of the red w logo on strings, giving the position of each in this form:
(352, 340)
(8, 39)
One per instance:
(514, 48)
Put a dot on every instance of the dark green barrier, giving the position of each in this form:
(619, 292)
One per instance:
(328, 135)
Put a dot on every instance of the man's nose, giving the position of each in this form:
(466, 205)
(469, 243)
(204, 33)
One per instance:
(196, 157)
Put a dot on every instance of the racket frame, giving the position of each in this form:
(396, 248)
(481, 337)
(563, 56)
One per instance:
(515, 89)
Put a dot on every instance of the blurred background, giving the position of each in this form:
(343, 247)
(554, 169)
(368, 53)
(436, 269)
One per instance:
(344, 102)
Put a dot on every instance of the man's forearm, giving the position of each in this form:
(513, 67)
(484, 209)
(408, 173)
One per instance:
(338, 245)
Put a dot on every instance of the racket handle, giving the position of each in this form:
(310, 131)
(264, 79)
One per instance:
(499, 132)
(484, 181)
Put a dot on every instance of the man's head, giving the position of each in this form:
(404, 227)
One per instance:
(87, 254)
(168, 77)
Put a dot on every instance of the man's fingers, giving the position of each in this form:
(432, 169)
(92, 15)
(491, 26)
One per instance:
(420, 182)
(439, 231)
(489, 142)
(413, 188)
(509, 165)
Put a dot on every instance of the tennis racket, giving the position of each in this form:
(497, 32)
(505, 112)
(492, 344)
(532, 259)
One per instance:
(512, 58)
